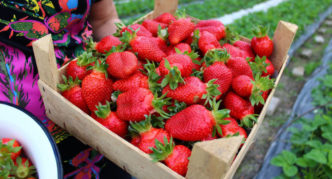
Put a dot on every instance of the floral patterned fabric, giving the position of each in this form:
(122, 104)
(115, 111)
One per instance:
(22, 22)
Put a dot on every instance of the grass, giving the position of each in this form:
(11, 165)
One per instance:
(294, 11)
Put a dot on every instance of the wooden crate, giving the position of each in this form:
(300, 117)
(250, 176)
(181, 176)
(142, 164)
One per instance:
(210, 159)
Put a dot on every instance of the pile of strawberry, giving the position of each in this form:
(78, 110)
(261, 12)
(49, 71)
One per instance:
(168, 82)
(13, 162)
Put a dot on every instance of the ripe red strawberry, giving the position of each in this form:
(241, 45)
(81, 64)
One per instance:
(240, 109)
(182, 47)
(259, 107)
(147, 48)
(141, 30)
(247, 87)
(182, 62)
(165, 18)
(96, 87)
(122, 64)
(262, 66)
(212, 26)
(232, 128)
(207, 41)
(110, 120)
(239, 66)
(72, 91)
(261, 43)
(269, 68)
(235, 51)
(195, 122)
(176, 157)
(134, 104)
(77, 68)
(137, 80)
(192, 91)
(10, 146)
(107, 43)
(180, 30)
(153, 26)
(245, 46)
(210, 137)
(147, 135)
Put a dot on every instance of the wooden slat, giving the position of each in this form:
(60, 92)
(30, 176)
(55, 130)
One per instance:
(46, 62)
(86, 129)
(282, 40)
(212, 159)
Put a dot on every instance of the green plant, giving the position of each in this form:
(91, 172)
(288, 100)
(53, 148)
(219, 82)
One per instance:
(310, 67)
(310, 155)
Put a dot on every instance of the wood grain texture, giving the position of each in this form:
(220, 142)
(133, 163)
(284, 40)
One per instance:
(46, 62)
(212, 159)
(89, 131)
(282, 40)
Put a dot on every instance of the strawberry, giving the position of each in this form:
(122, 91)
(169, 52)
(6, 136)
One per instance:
(262, 66)
(234, 51)
(195, 122)
(107, 43)
(110, 120)
(212, 26)
(261, 42)
(11, 147)
(77, 68)
(232, 128)
(134, 104)
(72, 91)
(245, 46)
(122, 64)
(176, 157)
(147, 135)
(180, 29)
(147, 48)
(182, 47)
(140, 30)
(207, 41)
(165, 18)
(153, 26)
(210, 137)
(173, 68)
(245, 87)
(23, 168)
(192, 91)
(96, 87)
(240, 109)
(137, 80)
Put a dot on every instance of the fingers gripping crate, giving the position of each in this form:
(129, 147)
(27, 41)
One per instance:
(210, 159)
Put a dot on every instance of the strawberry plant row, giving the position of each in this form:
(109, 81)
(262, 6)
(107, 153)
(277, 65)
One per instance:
(203, 10)
(293, 11)
(179, 92)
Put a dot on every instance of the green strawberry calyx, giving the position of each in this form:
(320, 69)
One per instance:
(159, 102)
(216, 55)
(128, 36)
(249, 120)
(140, 127)
(161, 151)
(193, 55)
(260, 31)
(100, 66)
(231, 37)
(68, 83)
(212, 91)
(194, 43)
(85, 59)
(173, 78)
(219, 116)
(119, 26)
(162, 33)
(258, 66)
(180, 14)
(103, 110)
(153, 77)
(23, 169)
(260, 84)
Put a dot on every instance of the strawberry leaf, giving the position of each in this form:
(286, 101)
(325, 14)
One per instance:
(159, 102)
(161, 151)
(260, 31)
(214, 55)
(194, 43)
(258, 66)
(140, 127)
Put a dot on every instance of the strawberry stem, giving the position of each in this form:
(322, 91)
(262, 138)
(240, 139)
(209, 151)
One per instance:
(103, 110)
(161, 151)
(216, 55)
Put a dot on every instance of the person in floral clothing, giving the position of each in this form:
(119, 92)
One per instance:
(70, 22)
